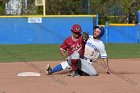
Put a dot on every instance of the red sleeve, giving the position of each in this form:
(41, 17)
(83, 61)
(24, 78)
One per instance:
(64, 46)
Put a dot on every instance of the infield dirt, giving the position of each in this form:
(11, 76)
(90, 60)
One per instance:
(124, 79)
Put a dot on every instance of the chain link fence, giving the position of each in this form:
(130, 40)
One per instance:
(116, 11)
(113, 11)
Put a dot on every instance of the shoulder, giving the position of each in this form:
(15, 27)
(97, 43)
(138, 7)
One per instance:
(101, 42)
(98, 43)
(90, 38)
(101, 45)
(68, 38)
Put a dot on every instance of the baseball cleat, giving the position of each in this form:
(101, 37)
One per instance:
(48, 70)
(75, 74)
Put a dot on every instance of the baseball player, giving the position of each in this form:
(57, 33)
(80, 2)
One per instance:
(93, 48)
(75, 44)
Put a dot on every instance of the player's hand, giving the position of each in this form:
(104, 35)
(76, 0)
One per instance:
(108, 71)
(64, 56)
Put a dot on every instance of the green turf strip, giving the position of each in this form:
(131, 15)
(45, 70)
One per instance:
(14, 53)
(123, 50)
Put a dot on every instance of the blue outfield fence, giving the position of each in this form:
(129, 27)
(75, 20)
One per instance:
(122, 33)
(41, 30)
(54, 29)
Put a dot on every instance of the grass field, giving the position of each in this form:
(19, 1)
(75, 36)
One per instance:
(14, 53)
(123, 50)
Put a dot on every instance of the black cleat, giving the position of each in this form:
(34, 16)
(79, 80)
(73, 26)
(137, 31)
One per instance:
(48, 70)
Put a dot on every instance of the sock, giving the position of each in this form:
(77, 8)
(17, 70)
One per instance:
(74, 64)
(57, 68)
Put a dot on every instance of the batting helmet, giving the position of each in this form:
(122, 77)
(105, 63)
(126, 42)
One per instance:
(102, 30)
(76, 28)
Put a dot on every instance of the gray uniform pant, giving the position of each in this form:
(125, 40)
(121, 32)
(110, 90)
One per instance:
(86, 67)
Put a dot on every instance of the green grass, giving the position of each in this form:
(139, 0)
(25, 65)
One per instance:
(123, 50)
(14, 53)
(10, 53)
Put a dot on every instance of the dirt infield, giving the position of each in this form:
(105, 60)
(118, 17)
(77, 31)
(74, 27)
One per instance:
(125, 79)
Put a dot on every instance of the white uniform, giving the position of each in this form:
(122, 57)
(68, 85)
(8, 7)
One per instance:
(93, 49)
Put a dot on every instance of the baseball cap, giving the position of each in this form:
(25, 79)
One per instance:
(76, 28)
(102, 30)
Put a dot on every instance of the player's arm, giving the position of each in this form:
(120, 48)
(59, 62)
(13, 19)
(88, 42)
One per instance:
(106, 65)
(103, 54)
(62, 52)
(63, 48)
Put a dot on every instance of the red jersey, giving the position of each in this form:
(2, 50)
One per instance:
(74, 45)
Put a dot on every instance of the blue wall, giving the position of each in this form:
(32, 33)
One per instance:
(122, 34)
(53, 30)
(50, 31)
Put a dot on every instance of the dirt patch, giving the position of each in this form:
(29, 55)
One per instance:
(125, 78)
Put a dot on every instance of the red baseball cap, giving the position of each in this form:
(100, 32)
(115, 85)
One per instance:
(76, 28)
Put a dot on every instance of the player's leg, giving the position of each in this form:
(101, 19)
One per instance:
(88, 68)
(75, 60)
(59, 67)
(74, 63)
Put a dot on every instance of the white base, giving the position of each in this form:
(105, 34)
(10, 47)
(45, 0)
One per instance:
(25, 74)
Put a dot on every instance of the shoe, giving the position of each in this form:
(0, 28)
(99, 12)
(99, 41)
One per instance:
(69, 67)
(75, 74)
(48, 70)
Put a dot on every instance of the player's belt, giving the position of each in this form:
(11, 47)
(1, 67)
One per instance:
(87, 59)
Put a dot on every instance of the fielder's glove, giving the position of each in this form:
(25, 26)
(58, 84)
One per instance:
(85, 36)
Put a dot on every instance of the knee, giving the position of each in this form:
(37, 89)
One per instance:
(65, 65)
(94, 73)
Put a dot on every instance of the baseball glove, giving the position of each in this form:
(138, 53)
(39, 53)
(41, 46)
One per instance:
(85, 36)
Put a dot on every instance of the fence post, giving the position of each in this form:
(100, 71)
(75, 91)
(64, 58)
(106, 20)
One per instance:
(106, 32)
(138, 17)
(96, 19)
(138, 32)
(88, 6)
